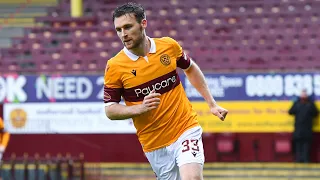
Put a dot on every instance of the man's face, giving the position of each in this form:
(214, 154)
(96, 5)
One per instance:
(304, 94)
(129, 30)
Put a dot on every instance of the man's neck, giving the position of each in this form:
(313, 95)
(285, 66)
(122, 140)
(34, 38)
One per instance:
(143, 48)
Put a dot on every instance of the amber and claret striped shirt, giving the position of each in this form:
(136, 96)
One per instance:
(133, 77)
(4, 135)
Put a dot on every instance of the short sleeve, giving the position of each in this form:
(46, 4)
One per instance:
(183, 60)
(113, 88)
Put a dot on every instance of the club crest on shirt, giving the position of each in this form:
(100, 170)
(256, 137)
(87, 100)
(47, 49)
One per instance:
(165, 59)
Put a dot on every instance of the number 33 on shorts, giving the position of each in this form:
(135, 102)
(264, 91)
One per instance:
(191, 145)
(191, 151)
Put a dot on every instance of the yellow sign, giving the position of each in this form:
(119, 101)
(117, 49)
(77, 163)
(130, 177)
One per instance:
(250, 116)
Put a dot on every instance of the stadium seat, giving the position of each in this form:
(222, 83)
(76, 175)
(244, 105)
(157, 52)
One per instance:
(67, 21)
(282, 147)
(226, 147)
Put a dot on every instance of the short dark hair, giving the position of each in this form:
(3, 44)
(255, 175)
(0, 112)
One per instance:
(128, 8)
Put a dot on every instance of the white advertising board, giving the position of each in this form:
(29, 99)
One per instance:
(64, 118)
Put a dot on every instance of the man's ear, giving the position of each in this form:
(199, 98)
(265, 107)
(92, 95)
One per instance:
(144, 23)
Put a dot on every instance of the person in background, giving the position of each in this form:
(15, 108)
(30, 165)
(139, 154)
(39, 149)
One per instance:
(304, 110)
(4, 139)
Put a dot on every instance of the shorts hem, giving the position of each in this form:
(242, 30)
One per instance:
(189, 162)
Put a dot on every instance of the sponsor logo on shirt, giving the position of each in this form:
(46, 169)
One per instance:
(157, 86)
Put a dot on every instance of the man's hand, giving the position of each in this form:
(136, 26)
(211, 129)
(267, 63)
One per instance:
(150, 102)
(220, 112)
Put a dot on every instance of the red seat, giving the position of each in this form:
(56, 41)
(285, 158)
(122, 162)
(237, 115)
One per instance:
(227, 147)
(282, 147)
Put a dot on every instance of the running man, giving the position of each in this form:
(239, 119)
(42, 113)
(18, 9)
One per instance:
(144, 73)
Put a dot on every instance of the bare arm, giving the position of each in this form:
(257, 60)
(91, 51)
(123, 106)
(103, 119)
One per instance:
(197, 79)
(121, 112)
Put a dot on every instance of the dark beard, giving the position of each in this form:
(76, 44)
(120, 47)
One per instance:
(139, 41)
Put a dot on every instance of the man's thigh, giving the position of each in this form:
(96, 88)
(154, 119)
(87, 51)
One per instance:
(163, 164)
(191, 171)
(189, 148)
(190, 155)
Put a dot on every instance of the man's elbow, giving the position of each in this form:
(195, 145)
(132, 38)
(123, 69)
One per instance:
(109, 113)
(109, 116)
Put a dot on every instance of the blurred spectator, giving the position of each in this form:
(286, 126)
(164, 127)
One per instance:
(304, 110)
(4, 138)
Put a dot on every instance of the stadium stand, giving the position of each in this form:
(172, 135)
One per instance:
(250, 31)
(17, 14)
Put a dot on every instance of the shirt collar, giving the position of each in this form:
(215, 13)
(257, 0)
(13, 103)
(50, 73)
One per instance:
(135, 57)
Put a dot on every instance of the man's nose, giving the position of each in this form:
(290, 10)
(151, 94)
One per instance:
(123, 33)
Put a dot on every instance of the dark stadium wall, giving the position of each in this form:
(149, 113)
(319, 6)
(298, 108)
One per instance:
(95, 147)
(126, 148)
